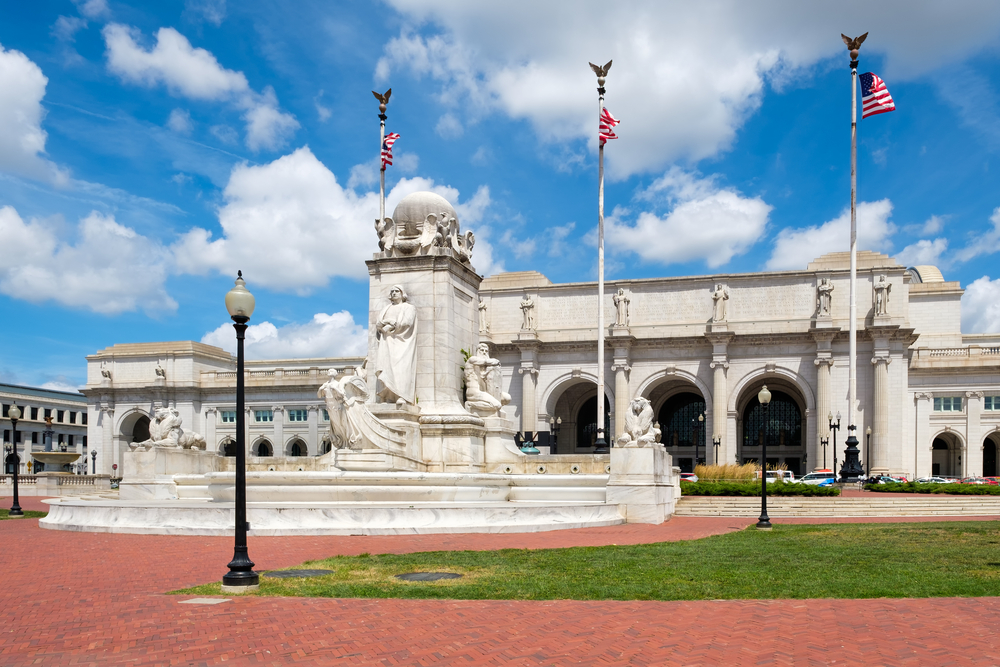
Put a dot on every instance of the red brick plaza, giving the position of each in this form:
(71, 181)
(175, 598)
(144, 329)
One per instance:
(97, 599)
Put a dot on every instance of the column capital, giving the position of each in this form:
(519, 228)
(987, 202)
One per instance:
(211, 410)
(821, 361)
(881, 358)
(723, 364)
(278, 408)
(923, 396)
(974, 394)
(527, 369)
(620, 367)
(313, 408)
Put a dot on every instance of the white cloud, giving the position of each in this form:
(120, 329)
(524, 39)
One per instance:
(681, 95)
(180, 121)
(22, 139)
(796, 247)
(934, 224)
(92, 9)
(449, 127)
(335, 335)
(923, 252)
(705, 222)
(110, 268)
(210, 11)
(66, 27)
(986, 244)
(981, 307)
(61, 385)
(196, 74)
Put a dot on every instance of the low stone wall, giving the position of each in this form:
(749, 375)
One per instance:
(55, 485)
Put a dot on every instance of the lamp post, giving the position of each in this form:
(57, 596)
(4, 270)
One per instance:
(824, 442)
(834, 426)
(764, 522)
(716, 441)
(555, 423)
(93, 461)
(868, 449)
(15, 414)
(241, 577)
(697, 435)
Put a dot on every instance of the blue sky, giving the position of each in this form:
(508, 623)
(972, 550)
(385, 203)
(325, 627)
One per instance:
(149, 150)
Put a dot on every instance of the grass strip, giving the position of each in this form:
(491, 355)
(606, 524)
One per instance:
(947, 489)
(943, 559)
(700, 488)
(28, 514)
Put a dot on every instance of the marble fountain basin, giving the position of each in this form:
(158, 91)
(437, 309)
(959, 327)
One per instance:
(55, 460)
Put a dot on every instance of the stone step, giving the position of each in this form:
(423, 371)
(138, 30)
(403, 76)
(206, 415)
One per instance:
(778, 507)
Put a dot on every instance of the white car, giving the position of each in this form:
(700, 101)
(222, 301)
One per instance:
(777, 475)
(935, 480)
(817, 478)
(689, 477)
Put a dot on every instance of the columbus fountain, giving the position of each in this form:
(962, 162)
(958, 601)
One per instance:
(421, 442)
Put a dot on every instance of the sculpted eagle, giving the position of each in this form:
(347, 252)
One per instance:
(384, 99)
(601, 71)
(854, 44)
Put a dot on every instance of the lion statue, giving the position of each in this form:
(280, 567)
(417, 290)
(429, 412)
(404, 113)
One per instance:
(639, 428)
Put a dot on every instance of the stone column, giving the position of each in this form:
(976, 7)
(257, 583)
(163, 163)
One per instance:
(880, 428)
(973, 458)
(622, 396)
(719, 399)
(211, 415)
(316, 442)
(923, 446)
(278, 428)
(529, 410)
(823, 365)
(109, 444)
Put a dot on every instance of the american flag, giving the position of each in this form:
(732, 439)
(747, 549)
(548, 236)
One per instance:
(607, 126)
(875, 97)
(390, 139)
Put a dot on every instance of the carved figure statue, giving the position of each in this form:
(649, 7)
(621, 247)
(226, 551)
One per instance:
(823, 297)
(160, 373)
(165, 431)
(640, 431)
(105, 372)
(528, 311)
(484, 325)
(412, 237)
(720, 295)
(482, 383)
(396, 360)
(882, 289)
(621, 308)
(344, 396)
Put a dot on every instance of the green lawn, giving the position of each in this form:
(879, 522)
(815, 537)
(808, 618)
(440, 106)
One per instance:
(792, 561)
(28, 514)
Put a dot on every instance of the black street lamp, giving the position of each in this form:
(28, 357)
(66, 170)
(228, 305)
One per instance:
(697, 435)
(834, 426)
(93, 461)
(824, 442)
(241, 577)
(868, 451)
(555, 423)
(764, 522)
(716, 440)
(15, 414)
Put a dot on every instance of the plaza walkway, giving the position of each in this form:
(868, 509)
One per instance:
(98, 599)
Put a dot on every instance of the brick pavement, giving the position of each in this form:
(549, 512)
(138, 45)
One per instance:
(96, 598)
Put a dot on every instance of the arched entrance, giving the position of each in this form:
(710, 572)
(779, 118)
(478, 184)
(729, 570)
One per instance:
(227, 447)
(140, 430)
(682, 420)
(10, 463)
(586, 423)
(263, 448)
(990, 456)
(783, 426)
(297, 448)
(946, 456)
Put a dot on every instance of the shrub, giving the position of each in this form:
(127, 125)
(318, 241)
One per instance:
(949, 489)
(700, 488)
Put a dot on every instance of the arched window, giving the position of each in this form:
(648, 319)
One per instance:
(586, 423)
(264, 448)
(229, 447)
(784, 427)
(679, 421)
(298, 448)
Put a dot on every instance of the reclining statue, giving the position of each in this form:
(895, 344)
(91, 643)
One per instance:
(165, 431)
(640, 431)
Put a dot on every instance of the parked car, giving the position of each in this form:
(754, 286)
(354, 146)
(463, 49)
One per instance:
(979, 480)
(689, 477)
(935, 480)
(885, 479)
(776, 475)
(818, 478)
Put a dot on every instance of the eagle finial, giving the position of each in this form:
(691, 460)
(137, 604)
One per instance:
(854, 44)
(382, 99)
(601, 72)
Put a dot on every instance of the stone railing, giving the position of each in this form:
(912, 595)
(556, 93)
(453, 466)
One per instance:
(970, 355)
(55, 485)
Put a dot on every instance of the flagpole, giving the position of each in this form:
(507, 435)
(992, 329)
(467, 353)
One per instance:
(849, 469)
(381, 174)
(601, 445)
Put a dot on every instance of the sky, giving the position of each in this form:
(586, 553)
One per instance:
(148, 151)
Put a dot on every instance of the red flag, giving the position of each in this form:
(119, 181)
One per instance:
(390, 139)
(607, 125)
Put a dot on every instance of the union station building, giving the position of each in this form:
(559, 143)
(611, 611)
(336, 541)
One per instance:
(699, 348)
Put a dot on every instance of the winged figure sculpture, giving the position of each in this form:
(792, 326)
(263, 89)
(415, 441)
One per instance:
(601, 71)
